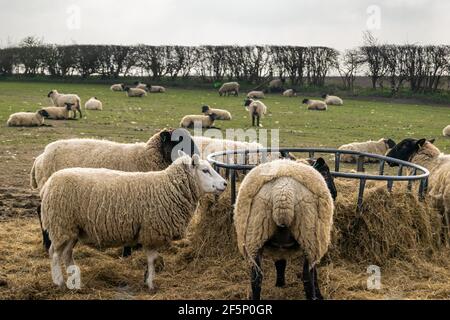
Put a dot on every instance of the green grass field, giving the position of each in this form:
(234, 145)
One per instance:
(135, 119)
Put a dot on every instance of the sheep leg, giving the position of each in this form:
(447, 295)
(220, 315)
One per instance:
(256, 278)
(126, 252)
(55, 265)
(74, 280)
(45, 237)
(257, 121)
(310, 283)
(316, 285)
(151, 257)
(253, 120)
(447, 227)
(280, 265)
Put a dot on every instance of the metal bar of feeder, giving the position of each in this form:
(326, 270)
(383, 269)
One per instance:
(360, 164)
(410, 181)
(362, 186)
(400, 170)
(233, 186)
(381, 169)
(311, 154)
(390, 183)
(337, 161)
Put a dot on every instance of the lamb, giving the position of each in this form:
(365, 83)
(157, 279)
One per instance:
(375, 147)
(256, 110)
(156, 89)
(283, 208)
(93, 104)
(117, 87)
(315, 104)
(58, 113)
(332, 100)
(60, 100)
(255, 95)
(220, 113)
(424, 153)
(446, 131)
(135, 92)
(276, 85)
(105, 208)
(229, 87)
(27, 119)
(289, 93)
(205, 121)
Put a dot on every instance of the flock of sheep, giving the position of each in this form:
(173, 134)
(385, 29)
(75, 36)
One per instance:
(110, 194)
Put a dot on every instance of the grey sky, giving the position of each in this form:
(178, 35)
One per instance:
(338, 23)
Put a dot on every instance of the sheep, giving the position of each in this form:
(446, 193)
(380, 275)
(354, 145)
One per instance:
(58, 113)
(375, 147)
(284, 207)
(315, 104)
(27, 119)
(289, 93)
(140, 85)
(446, 131)
(332, 100)
(229, 87)
(205, 121)
(135, 92)
(117, 87)
(256, 110)
(93, 104)
(105, 208)
(255, 95)
(424, 153)
(276, 85)
(60, 100)
(156, 89)
(220, 113)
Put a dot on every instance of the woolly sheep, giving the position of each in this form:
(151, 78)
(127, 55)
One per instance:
(424, 153)
(220, 113)
(332, 100)
(289, 93)
(135, 92)
(283, 208)
(58, 113)
(276, 85)
(105, 208)
(256, 110)
(27, 119)
(117, 87)
(205, 121)
(60, 100)
(156, 89)
(446, 131)
(93, 104)
(229, 87)
(315, 104)
(140, 85)
(255, 95)
(376, 147)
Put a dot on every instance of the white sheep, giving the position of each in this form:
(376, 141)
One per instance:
(256, 110)
(27, 119)
(315, 104)
(255, 95)
(117, 87)
(229, 87)
(276, 85)
(221, 114)
(333, 100)
(284, 208)
(135, 92)
(60, 100)
(58, 113)
(105, 208)
(140, 85)
(155, 89)
(446, 131)
(93, 104)
(289, 93)
(379, 147)
(192, 120)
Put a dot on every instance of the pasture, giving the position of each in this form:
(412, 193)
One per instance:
(24, 267)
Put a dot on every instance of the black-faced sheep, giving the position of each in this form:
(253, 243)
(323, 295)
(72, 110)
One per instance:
(135, 92)
(60, 100)
(58, 113)
(117, 87)
(93, 104)
(221, 114)
(27, 119)
(229, 87)
(256, 110)
(332, 100)
(379, 147)
(205, 121)
(315, 104)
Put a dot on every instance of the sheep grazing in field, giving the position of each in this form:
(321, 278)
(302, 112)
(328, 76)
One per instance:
(315, 104)
(205, 121)
(229, 87)
(375, 147)
(60, 100)
(289, 93)
(155, 89)
(220, 113)
(446, 131)
(117, 87)
(93, 104)
(332, 100)
(424, 153)
(105, 208)
(58, 113)
(256, 110)
(276, 85)
(135, 92)
(27, 119)
(255, 95)
(284, 208)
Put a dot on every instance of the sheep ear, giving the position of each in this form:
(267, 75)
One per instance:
(420, 143)
(195, 160)
(165, 136)
(319, 163)
(432, 140)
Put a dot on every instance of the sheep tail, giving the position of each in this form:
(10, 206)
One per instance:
(283, 207)
(33, 181)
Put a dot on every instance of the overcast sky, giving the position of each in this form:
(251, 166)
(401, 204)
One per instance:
(334, 23)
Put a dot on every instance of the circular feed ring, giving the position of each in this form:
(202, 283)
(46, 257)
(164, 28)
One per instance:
(238, 160)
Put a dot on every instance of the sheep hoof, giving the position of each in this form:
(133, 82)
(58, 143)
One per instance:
(152, 289)
(159, 264)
